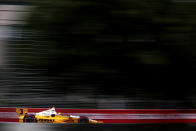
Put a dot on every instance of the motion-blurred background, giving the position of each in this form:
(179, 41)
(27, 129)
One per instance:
(98, 53)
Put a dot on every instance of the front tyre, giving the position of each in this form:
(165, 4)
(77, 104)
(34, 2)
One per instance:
(83, 120)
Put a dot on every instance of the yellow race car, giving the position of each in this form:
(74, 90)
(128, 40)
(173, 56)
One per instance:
(50, 116)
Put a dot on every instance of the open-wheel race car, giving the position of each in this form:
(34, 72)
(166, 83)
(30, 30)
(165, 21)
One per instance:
(50, 116)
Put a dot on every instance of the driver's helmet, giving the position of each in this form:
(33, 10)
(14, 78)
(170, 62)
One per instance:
(53, 111)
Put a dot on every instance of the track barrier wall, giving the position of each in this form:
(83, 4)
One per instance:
(142, 116)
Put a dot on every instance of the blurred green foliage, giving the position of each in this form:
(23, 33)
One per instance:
(117, 46)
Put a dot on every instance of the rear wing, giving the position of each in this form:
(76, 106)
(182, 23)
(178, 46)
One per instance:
(21, 111)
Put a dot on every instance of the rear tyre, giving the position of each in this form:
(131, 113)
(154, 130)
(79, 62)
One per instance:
(29, 119)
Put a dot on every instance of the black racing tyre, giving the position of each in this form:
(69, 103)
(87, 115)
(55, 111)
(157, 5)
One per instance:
(29, 119)
(83, 120)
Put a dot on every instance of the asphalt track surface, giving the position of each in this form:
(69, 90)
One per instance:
(95, 127)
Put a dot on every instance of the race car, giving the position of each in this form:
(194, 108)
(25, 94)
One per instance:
(50, 116)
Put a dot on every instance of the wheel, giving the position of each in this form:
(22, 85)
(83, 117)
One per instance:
(29, 119)
(83, 120)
